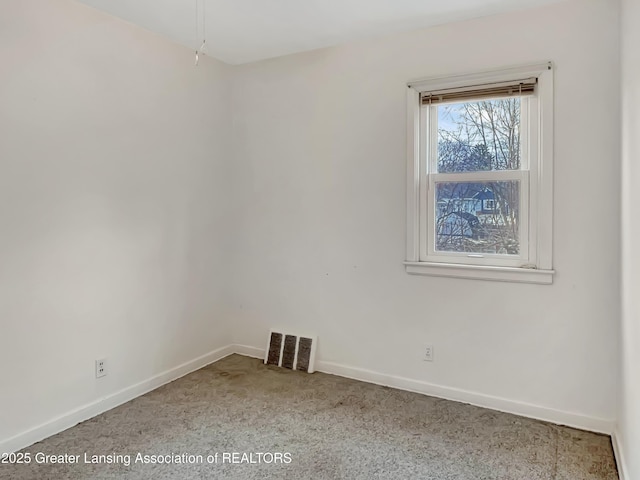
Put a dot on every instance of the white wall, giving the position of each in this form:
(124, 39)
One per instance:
(629, 421)
(320, 149)
(114, 154)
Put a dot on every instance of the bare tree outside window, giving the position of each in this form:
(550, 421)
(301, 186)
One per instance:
(483, 216)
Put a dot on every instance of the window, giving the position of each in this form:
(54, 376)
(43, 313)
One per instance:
(479, 180)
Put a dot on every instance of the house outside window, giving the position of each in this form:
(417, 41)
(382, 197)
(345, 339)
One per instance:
(479, 177)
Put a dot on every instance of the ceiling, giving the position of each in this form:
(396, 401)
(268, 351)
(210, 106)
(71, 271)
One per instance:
(241, 31)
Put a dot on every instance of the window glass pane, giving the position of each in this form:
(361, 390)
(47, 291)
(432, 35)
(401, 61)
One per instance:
(476, 136)
(478, 217)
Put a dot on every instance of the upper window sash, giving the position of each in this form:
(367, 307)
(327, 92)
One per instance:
(429, 136)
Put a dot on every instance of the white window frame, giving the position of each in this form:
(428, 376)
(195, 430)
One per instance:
(534, 264)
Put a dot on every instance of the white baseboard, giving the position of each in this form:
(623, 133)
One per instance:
(582, 422)
(248, 351)
(92, 409)
(88, 411)
(618, 451)
(522, 409)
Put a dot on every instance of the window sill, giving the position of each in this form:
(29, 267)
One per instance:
(481, 272)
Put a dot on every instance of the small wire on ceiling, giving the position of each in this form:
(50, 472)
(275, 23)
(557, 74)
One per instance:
(200, 51)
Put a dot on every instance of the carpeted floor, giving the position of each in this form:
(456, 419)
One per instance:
(301, 426)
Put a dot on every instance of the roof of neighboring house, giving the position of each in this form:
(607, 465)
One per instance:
(485, 194)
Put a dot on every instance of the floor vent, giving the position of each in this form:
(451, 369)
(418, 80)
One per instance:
(296, 352)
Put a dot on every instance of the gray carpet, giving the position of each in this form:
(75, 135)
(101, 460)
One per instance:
(323, 427)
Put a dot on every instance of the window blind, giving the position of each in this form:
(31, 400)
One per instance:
(503, 89)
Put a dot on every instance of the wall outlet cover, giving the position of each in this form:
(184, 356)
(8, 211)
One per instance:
(101, 367)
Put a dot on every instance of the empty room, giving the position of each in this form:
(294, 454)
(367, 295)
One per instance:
(285, 239)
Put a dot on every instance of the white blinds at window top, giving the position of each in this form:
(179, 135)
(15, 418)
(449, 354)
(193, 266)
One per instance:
(502, 89)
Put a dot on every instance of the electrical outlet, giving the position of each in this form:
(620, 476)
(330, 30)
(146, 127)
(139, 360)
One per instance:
(101, 368)
(427, 353)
